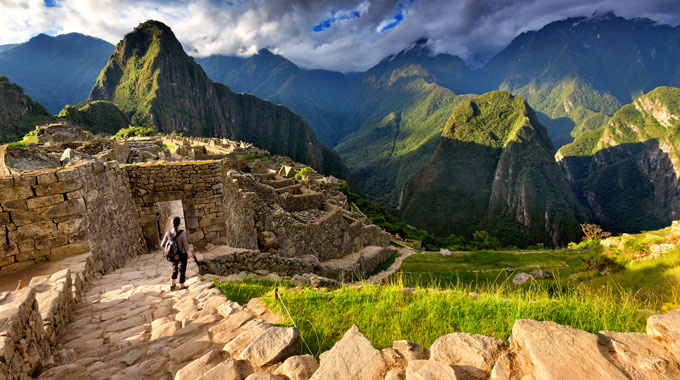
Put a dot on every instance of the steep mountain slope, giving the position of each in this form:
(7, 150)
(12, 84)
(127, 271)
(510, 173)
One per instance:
(627, 171)
(493, 169)
(577, 72)
(18, 113)
(316, 95)
(56, 71)
(152, 80)
(399, 114)
(97, 117)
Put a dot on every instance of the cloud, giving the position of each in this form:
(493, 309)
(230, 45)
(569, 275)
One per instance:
(344, 35)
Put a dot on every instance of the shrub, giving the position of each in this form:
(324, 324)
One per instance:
(18, 144)
(593, 232)
(304, 173)
(129, 132)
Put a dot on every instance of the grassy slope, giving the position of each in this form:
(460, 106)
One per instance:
(97, 117)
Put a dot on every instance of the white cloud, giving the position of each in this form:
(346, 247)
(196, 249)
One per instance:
(473, 29)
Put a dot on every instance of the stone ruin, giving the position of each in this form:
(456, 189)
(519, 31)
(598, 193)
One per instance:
(100, 311)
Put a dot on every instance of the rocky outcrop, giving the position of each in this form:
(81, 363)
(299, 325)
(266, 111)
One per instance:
(494, 170)
(352, 358)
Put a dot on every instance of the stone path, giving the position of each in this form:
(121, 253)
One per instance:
(129, 325)
(385, 275)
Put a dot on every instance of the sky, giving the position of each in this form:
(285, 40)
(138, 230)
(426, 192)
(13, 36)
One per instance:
(340, 35)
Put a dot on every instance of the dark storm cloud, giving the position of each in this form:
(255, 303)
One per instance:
(338, 34)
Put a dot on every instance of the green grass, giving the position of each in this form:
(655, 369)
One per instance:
(386, 313)
(244, 291)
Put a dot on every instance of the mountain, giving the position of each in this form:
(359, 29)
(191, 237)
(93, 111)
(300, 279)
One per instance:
(493, 170)
(18, 113)
(156, 84)
(577, 72)
(398, 114)
(316, 95)
(56, 71)
(627, 171)
(97, 117)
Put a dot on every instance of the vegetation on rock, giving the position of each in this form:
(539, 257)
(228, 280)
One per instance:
(97, 117)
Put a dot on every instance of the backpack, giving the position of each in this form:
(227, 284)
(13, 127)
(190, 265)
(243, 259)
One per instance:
(172, 250)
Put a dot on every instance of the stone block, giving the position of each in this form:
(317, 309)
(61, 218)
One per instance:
(69, 250)
(18, 205)
(23, 218)
(46, 178)
(58, 187)
(70, 207)
(16, 193)
(40, 202)
(4, 218)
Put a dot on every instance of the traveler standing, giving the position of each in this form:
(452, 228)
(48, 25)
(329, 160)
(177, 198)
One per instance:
(179, 238)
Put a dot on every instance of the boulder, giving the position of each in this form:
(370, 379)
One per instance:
(410, 351)
(502, 370)
(273, 346)
(200, 366)
(247, 336)
(540, 273)
(547, 351)
(641, 356)
(471, 356)
(522, 278)
(19, 160)
(263, 376)
(667, 328)
(352, 358)
(300, 367)
(266, 240)
(429, 370)
(230, 369)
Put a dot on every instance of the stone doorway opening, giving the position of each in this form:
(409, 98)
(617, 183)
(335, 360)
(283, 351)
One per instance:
(165, 212)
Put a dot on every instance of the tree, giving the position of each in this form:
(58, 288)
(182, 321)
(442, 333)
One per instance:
(593, 232)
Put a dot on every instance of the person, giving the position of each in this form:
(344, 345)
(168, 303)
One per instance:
(178, 267)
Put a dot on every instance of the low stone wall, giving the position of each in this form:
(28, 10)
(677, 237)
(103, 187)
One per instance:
(55, 298)
(224, 260)
(23, 344)
(63, 212)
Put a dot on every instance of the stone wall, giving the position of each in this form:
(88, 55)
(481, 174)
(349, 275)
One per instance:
(63, 212)
(200, 187)
(23, 344)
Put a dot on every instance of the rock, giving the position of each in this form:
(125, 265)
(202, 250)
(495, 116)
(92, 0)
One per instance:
(395, 374)
(471, 356)
(474, 295)
(200, 366)
(263, 376)
(300, 367)
(71, 156)
(429, 370)
(509, 270)
(274, 345)
(230, 369)
(243, 340)
(18, 160)
(641, 356)
(191, 349)
(540, 273)
(410, 351)
(266, 240)
(522, 278)
(131, 357)
(667, 328)
(502, 370)
(547, 351)
(352, 358)
(166, 329)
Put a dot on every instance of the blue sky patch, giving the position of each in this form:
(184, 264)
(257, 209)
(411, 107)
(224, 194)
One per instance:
(335, 17)
(396, 20)
(50, 3)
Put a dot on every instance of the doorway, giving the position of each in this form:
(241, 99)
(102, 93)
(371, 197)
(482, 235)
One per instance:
(165, 212)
